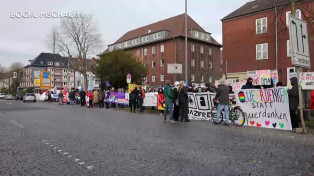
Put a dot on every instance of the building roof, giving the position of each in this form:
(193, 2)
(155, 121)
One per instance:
(174, 24)
(43, 58)
(256, 6)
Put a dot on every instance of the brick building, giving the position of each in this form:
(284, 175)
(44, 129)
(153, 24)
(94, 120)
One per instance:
(63, 73)
(159, 44)
(249, 37)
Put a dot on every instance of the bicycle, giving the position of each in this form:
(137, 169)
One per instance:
(236, 115)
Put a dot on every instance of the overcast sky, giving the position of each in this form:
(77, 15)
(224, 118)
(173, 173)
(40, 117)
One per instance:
(22, 39)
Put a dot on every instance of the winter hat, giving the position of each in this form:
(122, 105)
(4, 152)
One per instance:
(167, 82)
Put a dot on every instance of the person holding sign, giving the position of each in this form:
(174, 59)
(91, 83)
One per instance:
(223, 98)
(294, 102)
(249, 84)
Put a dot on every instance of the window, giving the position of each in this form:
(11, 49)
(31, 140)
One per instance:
(192, 62)
(202, 35)
(145, 79)
(288, 48)
(145, 51)
(196, 34)
(162, 48)
(201, 50)
(57, 63)
(162, 77)
(119, 45)
(153, 78)
(145, 39)
(41, 62)
(153, 64)
(135, 42)
(202, 63)
(154, 50)
(125, 44)
(145, 64)
(149, 31)
(261, 25)
(210, 64)
(262, 51)
(210, 51)
(206, 36)
(192, 47)
(50, 63)
(157, 35)
(162, 62)
(202, 78)
(192, 77)
(210, 79)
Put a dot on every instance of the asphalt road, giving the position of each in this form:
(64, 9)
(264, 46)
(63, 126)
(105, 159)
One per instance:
(49, 139)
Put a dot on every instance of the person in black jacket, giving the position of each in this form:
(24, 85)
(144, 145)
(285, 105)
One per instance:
(176, 109)
(71, 97)
(183, 102)
(294, 102)
(82, 97)
(249, 84)
(223, 98)
(133, 99)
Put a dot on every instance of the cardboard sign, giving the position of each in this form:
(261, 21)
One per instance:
(267, 108)
(150, 99)
(260, 77)
(132, 87)
(200, 105)
(307, 80)
(238, 85)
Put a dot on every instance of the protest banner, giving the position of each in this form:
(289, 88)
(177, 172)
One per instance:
(274, 76)
(150, 99)
(161, 102)
(260, 77)
(200, 105)
(118, 98)
(268, 108)
(132, 87)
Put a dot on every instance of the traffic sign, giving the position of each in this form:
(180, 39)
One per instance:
(300, 54)
(175, 68)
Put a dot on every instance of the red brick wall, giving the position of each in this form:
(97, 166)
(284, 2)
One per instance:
(240, 39)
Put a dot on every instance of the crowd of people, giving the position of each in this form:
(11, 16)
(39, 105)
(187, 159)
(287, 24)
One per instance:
(176, 99)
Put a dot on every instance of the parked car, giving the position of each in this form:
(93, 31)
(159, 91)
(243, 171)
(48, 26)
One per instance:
(2, 95)
(19, 97)
(29, 97)
(8, 97)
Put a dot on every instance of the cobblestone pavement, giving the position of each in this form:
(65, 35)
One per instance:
(48, 139)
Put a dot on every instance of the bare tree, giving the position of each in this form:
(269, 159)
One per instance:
(78, 37)
(2, 72)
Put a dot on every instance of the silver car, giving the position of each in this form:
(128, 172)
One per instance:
(29, 97)
(8, 97)
(2, 95)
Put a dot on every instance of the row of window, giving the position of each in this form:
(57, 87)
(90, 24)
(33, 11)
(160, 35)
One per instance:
(162, 78)
(201, 35)
(261, 23)
(162, 49)
(210, 51)
(262, 50)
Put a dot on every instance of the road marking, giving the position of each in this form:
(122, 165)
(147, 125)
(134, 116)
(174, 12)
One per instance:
(15, 123)
(89, 167)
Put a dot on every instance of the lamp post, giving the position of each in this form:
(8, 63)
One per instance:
(186, 43)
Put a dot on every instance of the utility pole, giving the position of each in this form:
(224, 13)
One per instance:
(299, 69)
(186, 43)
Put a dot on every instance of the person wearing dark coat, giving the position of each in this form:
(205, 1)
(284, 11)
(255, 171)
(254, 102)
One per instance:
(101, 97)
(223, 97)
(133, 99)
(183, 102)
(176, 109)
(82, 97)
(71, 97)
(294, 102)
(249, 84)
